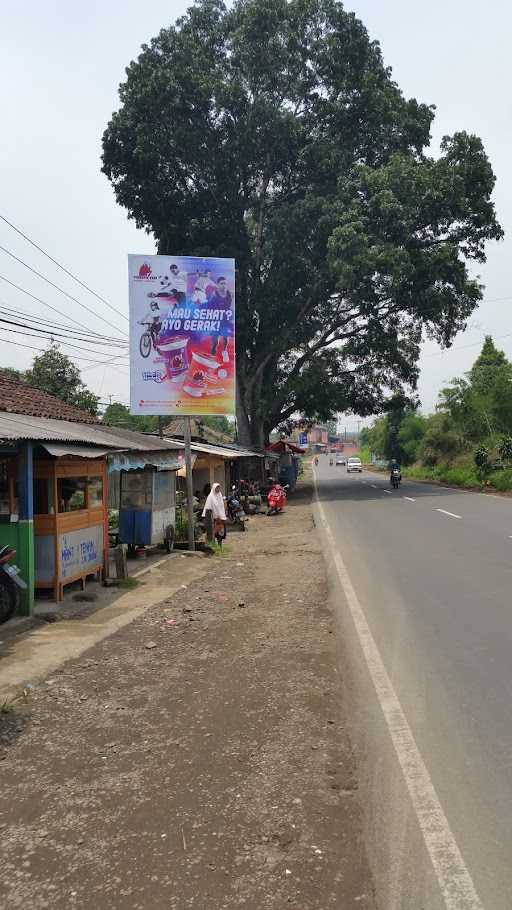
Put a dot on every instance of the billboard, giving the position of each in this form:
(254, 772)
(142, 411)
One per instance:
(182, 335)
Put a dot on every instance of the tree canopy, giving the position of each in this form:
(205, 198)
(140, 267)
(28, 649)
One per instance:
(118, 415)
(54, 372)
(473, 410)
(273, 132)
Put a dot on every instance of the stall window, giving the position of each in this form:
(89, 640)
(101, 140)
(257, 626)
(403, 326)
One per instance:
(5, 496)
(95, 492)
(43, 496)
(71, 493)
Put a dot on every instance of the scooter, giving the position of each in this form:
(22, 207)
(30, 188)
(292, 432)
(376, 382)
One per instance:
(276, 499)
(10, 584)
(236, 513)
(395, 478)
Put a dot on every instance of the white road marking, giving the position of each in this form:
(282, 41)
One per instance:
(451, 514)
(374, 485)
(387, 491)
(409, 499)
(454, 879)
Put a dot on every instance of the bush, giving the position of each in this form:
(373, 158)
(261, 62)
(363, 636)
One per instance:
(502, 480)
(459, 476)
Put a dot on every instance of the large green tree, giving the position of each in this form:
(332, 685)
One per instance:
(118, 415)
(480, 404)
(54, 372)
(273, 132)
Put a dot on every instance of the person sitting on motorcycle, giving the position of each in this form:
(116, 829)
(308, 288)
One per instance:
(394, 466)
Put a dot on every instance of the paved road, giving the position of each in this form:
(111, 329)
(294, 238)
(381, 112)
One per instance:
(432, 569)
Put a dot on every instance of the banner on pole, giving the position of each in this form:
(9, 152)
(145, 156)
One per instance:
(182, 335)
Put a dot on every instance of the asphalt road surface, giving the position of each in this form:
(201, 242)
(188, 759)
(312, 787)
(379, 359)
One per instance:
(432, 570)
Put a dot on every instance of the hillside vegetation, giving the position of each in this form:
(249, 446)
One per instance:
(467, 441)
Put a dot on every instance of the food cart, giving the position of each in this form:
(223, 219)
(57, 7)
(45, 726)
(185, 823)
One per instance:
(70, 520)
(147, 507)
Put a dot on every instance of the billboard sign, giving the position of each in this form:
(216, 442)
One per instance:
(182, 335)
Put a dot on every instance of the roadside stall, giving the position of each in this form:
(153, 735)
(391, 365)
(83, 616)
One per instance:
(70, 518)
(147, 508)
(288, 464)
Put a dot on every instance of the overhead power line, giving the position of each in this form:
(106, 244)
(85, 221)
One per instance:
(57, 288)
(31, 347)
(67, 344)
(463, 347)
(47, 323)
(44, 303)
(57, 334)
(62, 267)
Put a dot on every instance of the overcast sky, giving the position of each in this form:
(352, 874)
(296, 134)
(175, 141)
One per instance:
(61, 62)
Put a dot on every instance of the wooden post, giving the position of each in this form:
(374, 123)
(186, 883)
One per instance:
(208, 520)
(121, 565)
(190, 486)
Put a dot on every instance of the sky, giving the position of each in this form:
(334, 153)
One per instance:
(61, 63)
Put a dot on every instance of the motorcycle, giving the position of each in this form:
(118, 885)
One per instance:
(331, 462)
(276, 499)
(10, 584)
(316, 461)
(395, 478)
(236, 513)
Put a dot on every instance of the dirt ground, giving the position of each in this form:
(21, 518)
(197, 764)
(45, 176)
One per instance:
(199, 756)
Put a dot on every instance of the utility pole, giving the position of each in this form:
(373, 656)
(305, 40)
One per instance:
(190, 485)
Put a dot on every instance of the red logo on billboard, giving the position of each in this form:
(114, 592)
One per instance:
(145, 271)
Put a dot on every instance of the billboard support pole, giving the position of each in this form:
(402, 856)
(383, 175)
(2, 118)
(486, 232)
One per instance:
(190, 486)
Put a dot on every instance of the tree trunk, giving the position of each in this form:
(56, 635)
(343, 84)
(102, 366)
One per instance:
(242, 419)
(251, 432)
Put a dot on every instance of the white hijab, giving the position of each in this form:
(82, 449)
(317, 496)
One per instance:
(215, 503)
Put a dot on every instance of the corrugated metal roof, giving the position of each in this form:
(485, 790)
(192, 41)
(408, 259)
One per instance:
(20, 426)
(225, 451)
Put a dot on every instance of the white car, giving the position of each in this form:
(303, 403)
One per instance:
(340, 459)
(354, 464)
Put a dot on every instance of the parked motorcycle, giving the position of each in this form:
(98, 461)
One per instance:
(236, 513)
(396, 477)
(276, 499)
(10, 584)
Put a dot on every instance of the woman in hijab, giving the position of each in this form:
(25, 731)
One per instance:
(215, 504)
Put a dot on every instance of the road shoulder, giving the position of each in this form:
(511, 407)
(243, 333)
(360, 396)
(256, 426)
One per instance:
(204, 748)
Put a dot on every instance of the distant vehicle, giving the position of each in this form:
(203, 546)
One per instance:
(354, 464)
(341, 459)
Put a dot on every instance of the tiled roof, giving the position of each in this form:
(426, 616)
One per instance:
(17, 397)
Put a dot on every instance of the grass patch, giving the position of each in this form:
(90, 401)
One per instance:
(8, 706)
(129, 582)
(461, 475)
(219, 551)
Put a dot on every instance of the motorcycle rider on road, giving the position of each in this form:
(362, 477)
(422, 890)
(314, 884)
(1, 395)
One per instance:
(394, 466)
